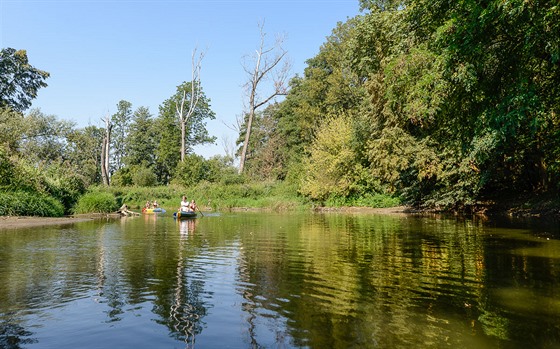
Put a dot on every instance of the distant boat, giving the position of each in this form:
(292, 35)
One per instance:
(184, 214)
(153, 210)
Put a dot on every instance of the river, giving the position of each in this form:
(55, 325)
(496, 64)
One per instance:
(294, 280)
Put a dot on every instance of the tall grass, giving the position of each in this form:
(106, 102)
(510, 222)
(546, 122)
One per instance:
(271, 195)
(264, 195)
(268, 195)
(22, 203)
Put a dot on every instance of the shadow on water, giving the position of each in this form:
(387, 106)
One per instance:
(14, 336)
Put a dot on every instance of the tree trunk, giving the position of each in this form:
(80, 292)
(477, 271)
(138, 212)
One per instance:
(246, 142)
(105, 175)
(183, 115)
(264, 66)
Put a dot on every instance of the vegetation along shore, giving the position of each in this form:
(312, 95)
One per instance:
(445, 106)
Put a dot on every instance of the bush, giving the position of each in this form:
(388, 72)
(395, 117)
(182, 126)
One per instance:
(190, 171)
(144, 177)
(122, 177)
(23, 203)
(96, 202)
(67, 190)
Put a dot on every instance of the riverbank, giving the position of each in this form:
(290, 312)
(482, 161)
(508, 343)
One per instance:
(12, 222)
(510, 210)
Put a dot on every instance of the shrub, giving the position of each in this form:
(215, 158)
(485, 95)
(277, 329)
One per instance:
(96, 202)
(144, 177)
(190, 171)
(23, 203)
(67, 189)
(122, 177)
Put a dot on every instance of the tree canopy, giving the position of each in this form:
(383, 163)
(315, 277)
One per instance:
(448, 103)
(19, 81)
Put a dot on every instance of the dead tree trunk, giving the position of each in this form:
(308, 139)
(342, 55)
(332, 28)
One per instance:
(105, 153)
(183, 114)
(264, 66)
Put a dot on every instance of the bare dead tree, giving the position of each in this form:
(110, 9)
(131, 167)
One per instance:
(185, 113)
(229, 147)
(105, 153)
(267, 64)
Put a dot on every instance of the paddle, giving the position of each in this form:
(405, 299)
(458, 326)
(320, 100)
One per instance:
(200, 211)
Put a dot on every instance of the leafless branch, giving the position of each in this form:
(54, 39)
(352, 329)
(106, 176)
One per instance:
(264, 67)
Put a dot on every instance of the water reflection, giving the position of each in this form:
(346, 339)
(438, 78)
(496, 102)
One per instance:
(186, 226)
(271, 280)
(187, 306)
(14, 336)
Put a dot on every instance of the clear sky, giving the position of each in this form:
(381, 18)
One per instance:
(99, 52)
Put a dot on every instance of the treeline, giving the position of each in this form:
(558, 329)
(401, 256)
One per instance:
(47, 165)
(445, 104)
(440, 104)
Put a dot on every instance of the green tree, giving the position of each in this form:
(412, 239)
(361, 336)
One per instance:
(44, 138)
(332, 164)
(12, 127)
(84, 152)
(220, 168)
(141, 139)
(169, 131)
(19, 81)
(120, 127)
(328, 87)
(264, 157)
(191, 170)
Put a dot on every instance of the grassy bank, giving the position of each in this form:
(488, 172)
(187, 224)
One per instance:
(209, 196)
(274, 196)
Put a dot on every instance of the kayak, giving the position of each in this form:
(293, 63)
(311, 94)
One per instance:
(184, 214)
(153, 210)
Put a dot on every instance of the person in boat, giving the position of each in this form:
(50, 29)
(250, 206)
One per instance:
(155, 204)
(184, 204)
(148, 205)
(192, 206)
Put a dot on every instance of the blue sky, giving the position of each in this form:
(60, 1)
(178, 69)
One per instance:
(99, 52)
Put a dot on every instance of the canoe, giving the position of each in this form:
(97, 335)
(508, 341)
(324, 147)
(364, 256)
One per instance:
(184, 214)
(153, 210)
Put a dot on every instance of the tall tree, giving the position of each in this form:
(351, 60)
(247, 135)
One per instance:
(265, 155)
(105, 152)
(84, 152)
(121, 121)
(266, 63)
(169, 130)
(141, 139)
(44, 138)
(19, 81)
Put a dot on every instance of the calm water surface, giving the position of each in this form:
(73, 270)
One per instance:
(262, 280)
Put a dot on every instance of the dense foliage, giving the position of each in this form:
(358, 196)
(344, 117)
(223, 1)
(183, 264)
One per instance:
(96, 202)
(19, 81)
(432, 103)
(445, 104)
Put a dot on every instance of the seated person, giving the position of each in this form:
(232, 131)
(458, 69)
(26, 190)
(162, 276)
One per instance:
(192, 206)
(185, 204)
